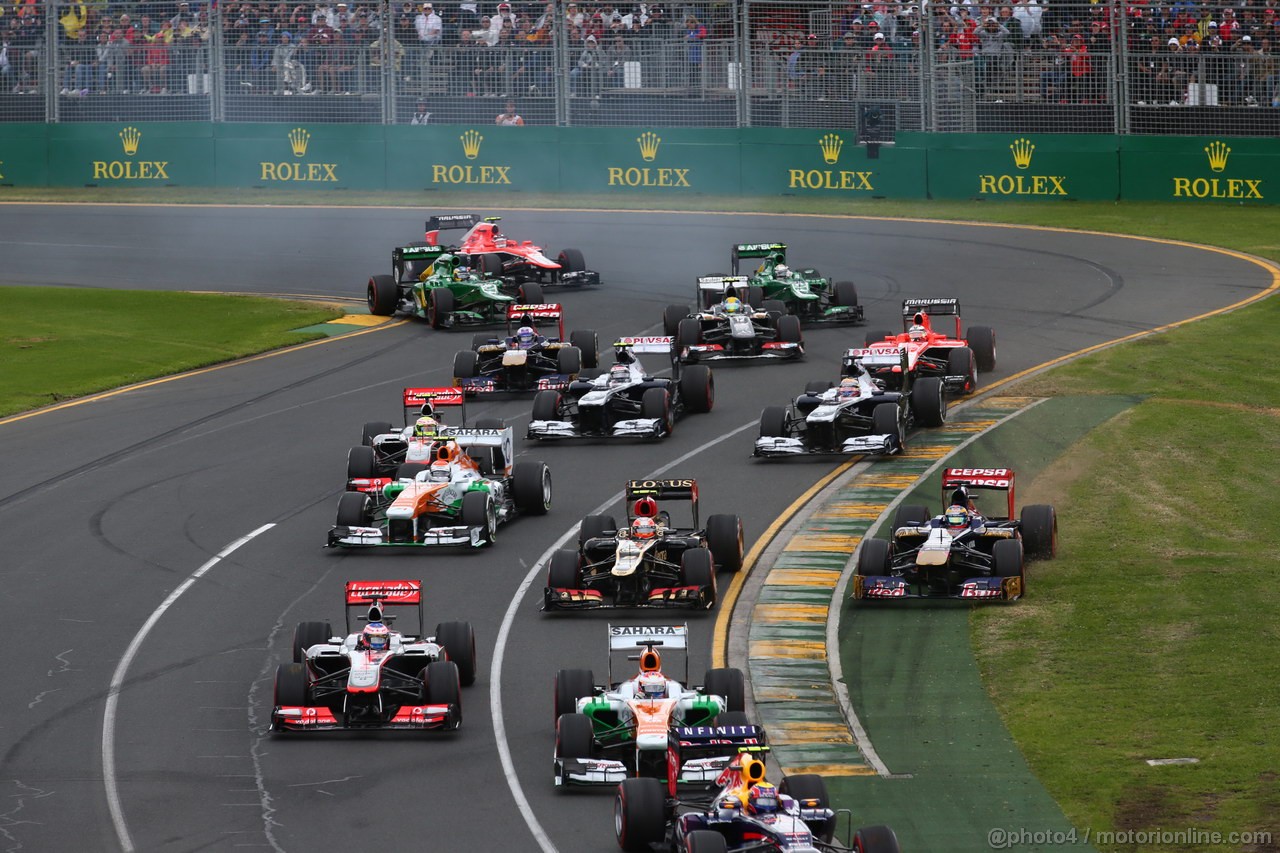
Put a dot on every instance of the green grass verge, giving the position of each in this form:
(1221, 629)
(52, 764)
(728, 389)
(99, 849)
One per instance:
(1153, 635)
(59, 343)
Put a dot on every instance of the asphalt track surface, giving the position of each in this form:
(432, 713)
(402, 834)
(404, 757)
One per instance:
(108, 507)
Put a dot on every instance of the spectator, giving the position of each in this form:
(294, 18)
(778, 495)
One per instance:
(79, 57)
(1080, 71)
(584, 78)
(879, 66)
(694, 34)
(617, 56)
(1172, 74)
(420, 114)
(374, 51)
(429, 29)
(291, 74)
(995, 54)
(486, 61)
(7, 73)
(155, 65)
(509, 117)
(1028, 14)
(110, 60)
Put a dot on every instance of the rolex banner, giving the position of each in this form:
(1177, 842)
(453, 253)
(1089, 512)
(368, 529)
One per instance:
(452, 157)
(24, 154)
(829, 163)
(1022, 166)
(141, 154)
(654, 160)
(301, 156)
(1193, 168)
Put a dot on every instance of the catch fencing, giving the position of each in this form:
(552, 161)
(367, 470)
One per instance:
(882, 68)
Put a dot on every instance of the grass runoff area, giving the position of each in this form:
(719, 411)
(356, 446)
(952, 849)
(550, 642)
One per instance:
(1153, 635)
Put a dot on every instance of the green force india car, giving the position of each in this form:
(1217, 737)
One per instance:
(433, 284)
(804, 292)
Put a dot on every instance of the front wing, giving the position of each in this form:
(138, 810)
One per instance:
(497, 382)
(375, 537)
(632, 428)
(664, 598)
(769, 350)
(869, 445)
(318, 718)
(886, 588)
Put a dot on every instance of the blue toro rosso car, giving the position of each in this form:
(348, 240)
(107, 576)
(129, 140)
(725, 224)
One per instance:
(525, 359)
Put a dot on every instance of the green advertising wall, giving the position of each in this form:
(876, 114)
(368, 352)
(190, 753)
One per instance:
(654, 161)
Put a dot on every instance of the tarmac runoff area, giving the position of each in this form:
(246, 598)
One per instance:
(899, 721)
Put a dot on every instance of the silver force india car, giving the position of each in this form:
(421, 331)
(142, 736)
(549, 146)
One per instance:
(374, 676)
(649, 724)
(962, 553)
(856, 416)
(649, 562)
(744, 813)
(726, 328)
(625, 401)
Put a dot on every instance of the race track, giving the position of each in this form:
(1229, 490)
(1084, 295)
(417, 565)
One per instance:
(108, 507)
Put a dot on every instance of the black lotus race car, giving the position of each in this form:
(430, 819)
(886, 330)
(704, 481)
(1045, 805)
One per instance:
(672, 566)
(961, 553)
(524, 359)
(341, 683)
(625, 401)
(856, 416)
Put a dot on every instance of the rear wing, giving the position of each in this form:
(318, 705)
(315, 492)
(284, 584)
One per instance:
(756, 250)
(714, 288)
(541, 314)
(933, 307)
(643, 344)
(659, 638)
(503, 439)
(417, 253)
(662, 490)
(452, 222)
(375, 596)
(969, 480)
(428, 401)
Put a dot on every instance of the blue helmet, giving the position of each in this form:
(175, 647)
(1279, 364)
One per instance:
(526, 336)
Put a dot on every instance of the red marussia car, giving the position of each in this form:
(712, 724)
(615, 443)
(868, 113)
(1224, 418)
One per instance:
(485, 248)
(956, 359)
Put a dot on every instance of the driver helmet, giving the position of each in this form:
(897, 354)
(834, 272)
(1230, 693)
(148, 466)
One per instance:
(643, 528)
(762, 799)
(525, 337)
(461, 273)
(729, 806)
(733, 305)
(956, 516)
(619, 375)
(917, 332)
(376, 637)
(848, 389)
(439, 472)
(426, 427)
(781, 271)
(651, 686)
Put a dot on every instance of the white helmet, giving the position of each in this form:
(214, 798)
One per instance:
(651, 686)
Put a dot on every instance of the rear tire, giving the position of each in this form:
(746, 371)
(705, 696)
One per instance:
(291, 686)
(774, 306)
(490, 423)
(697, 389)
(588, 343)
(818, 387)
(873, 558)
(353, 510)
(442, 686)
(596, 527)
(656, 403)
(570, 686)
(410, 470)
(874, 337)
(1039, 526)
(876, 839)
(546, 406)
(640, 814)
(439, 306)
(755, 296)
(481, 339)
(844, 293)
(910, 515)
(372, 430)
(982, 340)
(960, 362)
(362, 463)
(697, 569)
(569, 361)
(530, 293)
(671, 317)
(490, 265)
(789, 329)
(531, 487)
(459, 641)
(308, 634)
(811, 786)
(477, 511)
(928, 405)
(773, 422)
(466, 365)
(724, 540)
(382, 295)
(730, 683)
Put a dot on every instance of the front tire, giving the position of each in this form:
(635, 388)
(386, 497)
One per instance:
(671, 317)
(569, 361)
(960, 362)
(875, 337)
(575, 736)
(362, 463)
(811, 786)
(873, 558)
(571, 260)
(885, 421)
(773, 422)
(477, 511)
(876, 839)
(466, 365)
(546, 406)
(689, 333)
(705, 841)
(530, 293)
(353, 510)
(697, 389)
(588, 343)
(441, 686)
(789, 329)
(698, 569)
(640, 814)
(291, 686)
(928, 405)
(656, 403)
(440, 304)
(844, 293)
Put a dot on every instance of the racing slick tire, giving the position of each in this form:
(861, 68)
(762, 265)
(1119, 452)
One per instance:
(733, 718)
(773, 422)
(530, 293)
(353, 510)
(571, 260)
(588, 343)
(811, 786)
(640, 814)
(466, 364)
(789, 329)
(459, 641)
(575, 736)
(960, 362)
(698, 569)
(480, 339)
(928, 405)
(546, 406)
(876, 839)
(697, 388)
(844, 293)
(885, 421)
(596, 527)
(875, 336)
(1039, 526)
(291, 685)
(362, 463)
(910, 515)
(818, 387)
(724, 540)
(656, 403)
(689, 332)
(477, 511)
(569, 361)
(439, 306)
(982, 340)
(490, 423)
(382, 295)
(441, 686)
(730, 683)
(671, 317)
(562, 569)
(372, 430)
(308, 634)
(410, 470)
(570, 686)
(755, 296)
(873, 558)
(1007, 558)
(773, 306)
(490, 264)
(705, 841)
(531, 487)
